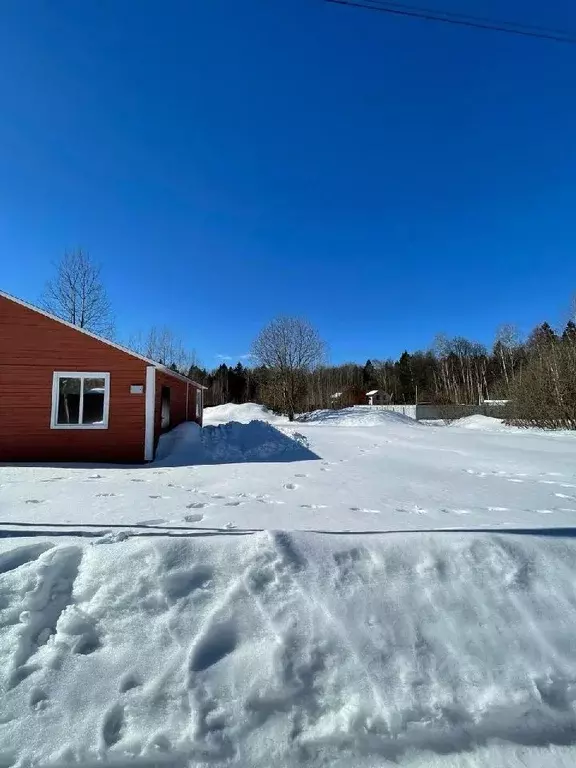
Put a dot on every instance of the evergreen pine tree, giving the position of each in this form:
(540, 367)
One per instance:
(570, 332)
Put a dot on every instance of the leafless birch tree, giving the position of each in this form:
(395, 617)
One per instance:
(77, 294)
(161, 343)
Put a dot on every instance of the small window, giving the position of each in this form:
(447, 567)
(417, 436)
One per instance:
(198, 403)
(80, 400)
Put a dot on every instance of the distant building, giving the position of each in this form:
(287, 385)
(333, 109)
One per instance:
(378, 397)
(349, 396)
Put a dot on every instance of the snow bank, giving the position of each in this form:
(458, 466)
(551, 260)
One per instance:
(231, 443)
(289, 649)
(221, 414)
(356, 416)
(483, 423)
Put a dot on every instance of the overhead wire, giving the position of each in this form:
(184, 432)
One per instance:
(449, 17)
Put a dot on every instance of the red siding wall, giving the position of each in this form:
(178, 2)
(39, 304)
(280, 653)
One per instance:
(178, 412)
(32, 347)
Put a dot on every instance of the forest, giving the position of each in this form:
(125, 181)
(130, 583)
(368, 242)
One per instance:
(537, 375)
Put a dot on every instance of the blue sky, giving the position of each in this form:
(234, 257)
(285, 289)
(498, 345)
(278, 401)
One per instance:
(227, 161)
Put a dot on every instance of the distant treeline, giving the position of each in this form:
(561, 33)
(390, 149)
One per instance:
(537, 374)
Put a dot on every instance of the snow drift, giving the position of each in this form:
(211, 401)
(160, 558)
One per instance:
(243, 413)
(290, 649)
(356, 416)
(231, 443)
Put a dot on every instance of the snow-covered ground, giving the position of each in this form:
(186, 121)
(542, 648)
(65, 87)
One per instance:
(186, 614)
(354, 470)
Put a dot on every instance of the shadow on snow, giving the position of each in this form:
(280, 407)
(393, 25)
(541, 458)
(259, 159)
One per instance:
(231, 443)
(189, 445)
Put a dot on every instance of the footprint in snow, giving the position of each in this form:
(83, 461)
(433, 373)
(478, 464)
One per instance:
(129, 681)
(52, 479)
(234, 503)
(41, 501)
(369, 511)
(565, 496)
(498, 509)
(195, 518)
(153, 521)
(415, 510)
(290, 486)
(137, 480)
(313, 506)
(196, 505)
(300, 475)
(105, 495)
(113, 725)
(38, 699)
(158, 496)
(514, 480)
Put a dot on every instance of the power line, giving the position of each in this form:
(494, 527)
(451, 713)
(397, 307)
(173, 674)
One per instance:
(467, 17)
(476, 22)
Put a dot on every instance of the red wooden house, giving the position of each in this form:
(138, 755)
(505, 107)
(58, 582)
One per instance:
(69, 395)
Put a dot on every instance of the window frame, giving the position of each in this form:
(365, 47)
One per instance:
(57, 375)
(199, 403)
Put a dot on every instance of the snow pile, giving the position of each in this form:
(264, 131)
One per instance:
(181, 442)
(253, 442)
(289, 649)
(244, 413)
(231, 443)
(483, 423)
(356, 416)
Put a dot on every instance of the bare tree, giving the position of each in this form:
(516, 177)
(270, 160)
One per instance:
(289, 348)
(77, 294)
(162, 344)
(507, 342)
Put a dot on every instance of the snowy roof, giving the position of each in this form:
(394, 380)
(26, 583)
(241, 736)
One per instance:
(155, 363)
(373, 392)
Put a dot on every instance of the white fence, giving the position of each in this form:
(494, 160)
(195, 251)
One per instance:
(436, 412)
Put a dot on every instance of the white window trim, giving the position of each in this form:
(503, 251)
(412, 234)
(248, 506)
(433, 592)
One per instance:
(199, 394)
(79, 375)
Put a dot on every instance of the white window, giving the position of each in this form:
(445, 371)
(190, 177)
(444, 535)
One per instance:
(80, 400)
(198, 403)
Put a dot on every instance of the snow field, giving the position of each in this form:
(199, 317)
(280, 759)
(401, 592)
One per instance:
(185, 613)
(290, 649)
(324, 474)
